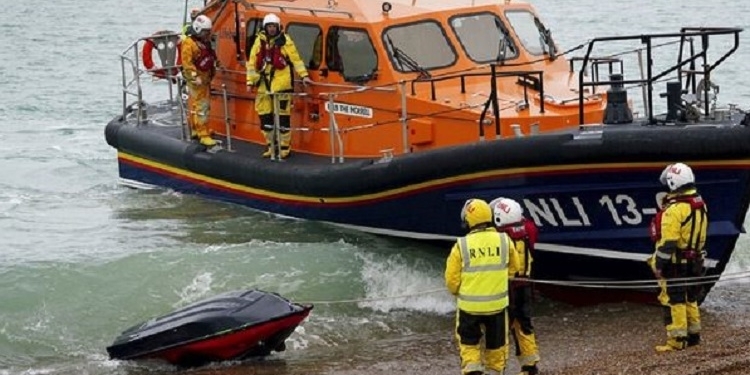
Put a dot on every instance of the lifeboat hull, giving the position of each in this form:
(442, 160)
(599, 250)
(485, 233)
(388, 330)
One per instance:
(592, 194)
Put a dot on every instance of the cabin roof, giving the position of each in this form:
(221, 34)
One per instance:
(364, 10)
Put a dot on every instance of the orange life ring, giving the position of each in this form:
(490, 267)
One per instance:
(148, 58)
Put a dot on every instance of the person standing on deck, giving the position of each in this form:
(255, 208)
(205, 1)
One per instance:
(509, 219)
(679, 232)
(198, 68)
(477, 274)
(269, 68)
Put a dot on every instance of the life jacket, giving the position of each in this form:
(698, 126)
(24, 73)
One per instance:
(206, 59)
(696, 205)
(525, 231)
(271, 55)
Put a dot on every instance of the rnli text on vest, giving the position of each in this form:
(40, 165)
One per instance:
(484, 252)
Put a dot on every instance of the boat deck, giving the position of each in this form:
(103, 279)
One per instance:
(165, 120)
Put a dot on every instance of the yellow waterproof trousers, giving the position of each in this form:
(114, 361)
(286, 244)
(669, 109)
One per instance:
(521, 327)
(199, 102)
(470, 330)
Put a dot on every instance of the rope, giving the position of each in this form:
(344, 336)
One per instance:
(375, 299)
(614, 284)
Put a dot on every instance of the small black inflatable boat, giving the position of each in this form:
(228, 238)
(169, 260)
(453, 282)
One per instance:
(230, 326)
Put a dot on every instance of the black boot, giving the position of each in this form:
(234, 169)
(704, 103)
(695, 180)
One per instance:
(693, 339)
(529, 370)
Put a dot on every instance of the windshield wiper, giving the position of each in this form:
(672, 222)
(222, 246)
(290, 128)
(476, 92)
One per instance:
(504, 43)
(545, 37)
(405, 60)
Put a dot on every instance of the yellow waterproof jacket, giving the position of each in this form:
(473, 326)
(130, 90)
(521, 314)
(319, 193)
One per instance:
(477, 270)
(190, 48)
(681, 226)
(524, 258)
(279, 79)
(523, 235)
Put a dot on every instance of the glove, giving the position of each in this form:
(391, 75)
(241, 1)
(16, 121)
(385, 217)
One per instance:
(198, 81)
(307, 81)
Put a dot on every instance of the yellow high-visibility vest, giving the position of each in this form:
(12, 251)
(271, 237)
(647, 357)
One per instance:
(484, 274)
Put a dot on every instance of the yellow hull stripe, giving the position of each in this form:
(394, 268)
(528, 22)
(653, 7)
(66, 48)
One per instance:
(406, 190)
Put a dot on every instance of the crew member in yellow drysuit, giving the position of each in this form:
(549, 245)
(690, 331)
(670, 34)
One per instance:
(508, 219)
(679, 232)
(477, 274)
(198, 68)
(269, 67)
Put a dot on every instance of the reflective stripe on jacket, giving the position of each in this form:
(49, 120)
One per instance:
(477, 271)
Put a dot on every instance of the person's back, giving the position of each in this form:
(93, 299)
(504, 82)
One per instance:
(477, 274)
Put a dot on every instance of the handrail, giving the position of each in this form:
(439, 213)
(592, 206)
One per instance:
(536, 74)
(685, 33)
(137, 72)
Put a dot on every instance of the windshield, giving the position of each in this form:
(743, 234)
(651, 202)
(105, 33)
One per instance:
(424, 43)
(536, 39)
(484, 37)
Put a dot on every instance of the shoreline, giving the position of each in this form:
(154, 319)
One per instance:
(612, 339)
(615, 339)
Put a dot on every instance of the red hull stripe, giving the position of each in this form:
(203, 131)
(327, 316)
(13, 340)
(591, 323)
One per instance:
(229, 345)
(266, 195)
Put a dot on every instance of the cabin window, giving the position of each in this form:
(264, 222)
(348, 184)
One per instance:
(532, 34)
(484, 37)
(418, 46)
(308, 39)
(253, 26)
(350, 52)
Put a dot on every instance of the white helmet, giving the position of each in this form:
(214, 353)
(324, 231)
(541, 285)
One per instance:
(271, 18)
(676, 176)
(202, 23)
(506, 211)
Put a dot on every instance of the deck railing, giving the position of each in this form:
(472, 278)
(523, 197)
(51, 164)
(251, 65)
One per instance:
(686, 36)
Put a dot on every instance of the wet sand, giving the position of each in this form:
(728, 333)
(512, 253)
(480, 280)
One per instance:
(599, 340)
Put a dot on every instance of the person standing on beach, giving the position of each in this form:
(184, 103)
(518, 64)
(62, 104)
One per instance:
(477, 274)
(508, 218)
(679, 233)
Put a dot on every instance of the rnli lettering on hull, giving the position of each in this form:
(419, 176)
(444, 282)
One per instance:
(574, 211)
(350, 110)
